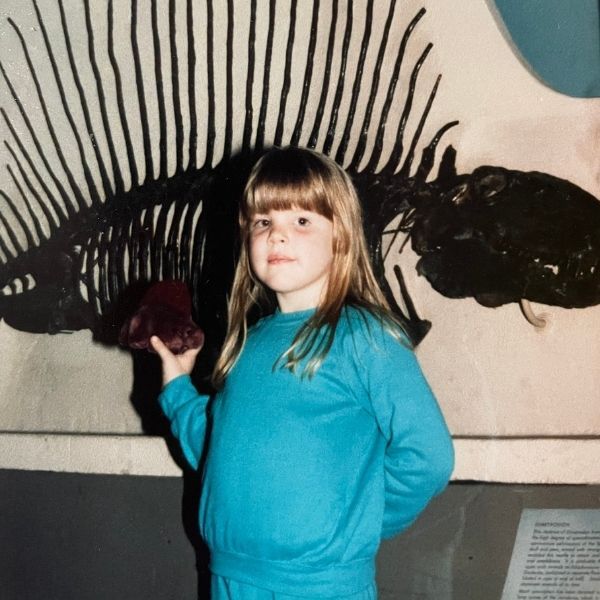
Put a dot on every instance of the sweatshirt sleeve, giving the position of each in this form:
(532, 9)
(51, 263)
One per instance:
(186, 409)
(419, 455)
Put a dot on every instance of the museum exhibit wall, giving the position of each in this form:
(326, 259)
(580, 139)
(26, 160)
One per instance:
(522, 402)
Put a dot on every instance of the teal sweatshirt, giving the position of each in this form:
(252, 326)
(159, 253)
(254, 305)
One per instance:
(303, 477)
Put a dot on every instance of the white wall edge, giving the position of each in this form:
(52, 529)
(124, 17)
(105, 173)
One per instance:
(522, 460)
(81, 453)
(528, 460)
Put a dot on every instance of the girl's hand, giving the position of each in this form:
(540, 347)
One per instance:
(174, 365)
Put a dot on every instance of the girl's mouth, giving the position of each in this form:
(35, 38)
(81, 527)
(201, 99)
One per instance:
(276, 260)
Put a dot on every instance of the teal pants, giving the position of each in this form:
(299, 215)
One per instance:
(228, 589)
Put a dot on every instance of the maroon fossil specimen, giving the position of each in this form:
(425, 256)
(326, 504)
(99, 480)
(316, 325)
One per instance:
(165, 311)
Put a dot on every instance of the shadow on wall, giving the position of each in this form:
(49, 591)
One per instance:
(146, 387)
(218, 222)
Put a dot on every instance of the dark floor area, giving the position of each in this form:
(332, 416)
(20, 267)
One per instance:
(69, 536)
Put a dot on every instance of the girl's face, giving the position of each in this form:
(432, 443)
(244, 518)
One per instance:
(291, 252)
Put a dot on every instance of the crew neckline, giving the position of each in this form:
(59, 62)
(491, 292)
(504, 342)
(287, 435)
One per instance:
(294, 316)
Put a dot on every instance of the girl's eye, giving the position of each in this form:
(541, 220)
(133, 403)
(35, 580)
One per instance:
(261, 223)
(303, 221)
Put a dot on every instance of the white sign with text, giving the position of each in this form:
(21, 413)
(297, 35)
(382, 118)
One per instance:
(556, 556)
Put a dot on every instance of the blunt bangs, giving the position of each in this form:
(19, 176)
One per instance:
(288, 179)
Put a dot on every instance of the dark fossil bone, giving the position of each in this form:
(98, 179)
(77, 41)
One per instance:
(500, 236)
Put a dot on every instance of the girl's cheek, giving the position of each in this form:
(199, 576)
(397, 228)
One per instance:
(303, 230)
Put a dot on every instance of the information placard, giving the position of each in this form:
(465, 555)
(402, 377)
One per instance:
(556, 556)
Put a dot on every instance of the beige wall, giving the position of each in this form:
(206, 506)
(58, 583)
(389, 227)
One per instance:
(494, 374)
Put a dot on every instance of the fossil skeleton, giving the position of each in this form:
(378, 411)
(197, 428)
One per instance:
(141, 185)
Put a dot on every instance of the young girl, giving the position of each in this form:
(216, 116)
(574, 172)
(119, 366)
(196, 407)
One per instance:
(324, 437)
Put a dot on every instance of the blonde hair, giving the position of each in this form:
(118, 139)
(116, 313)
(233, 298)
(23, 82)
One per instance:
(303, 179)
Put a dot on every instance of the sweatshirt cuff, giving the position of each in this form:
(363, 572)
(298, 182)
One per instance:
(176, 381)
(173, 392)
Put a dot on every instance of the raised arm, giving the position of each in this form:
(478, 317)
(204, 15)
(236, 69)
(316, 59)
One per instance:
(180, 401)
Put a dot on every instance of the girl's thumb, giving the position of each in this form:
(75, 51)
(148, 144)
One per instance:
(159, 347)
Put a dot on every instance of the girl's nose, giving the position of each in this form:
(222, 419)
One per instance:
(277, 234)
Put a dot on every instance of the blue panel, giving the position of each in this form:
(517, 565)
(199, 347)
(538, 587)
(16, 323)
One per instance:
(559, 40)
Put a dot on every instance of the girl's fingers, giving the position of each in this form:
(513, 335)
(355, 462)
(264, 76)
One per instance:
(192, 352)
(165, 354)
(188, 359)
(172, 365)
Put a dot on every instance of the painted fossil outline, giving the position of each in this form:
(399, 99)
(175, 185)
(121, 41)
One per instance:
(173, 225)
